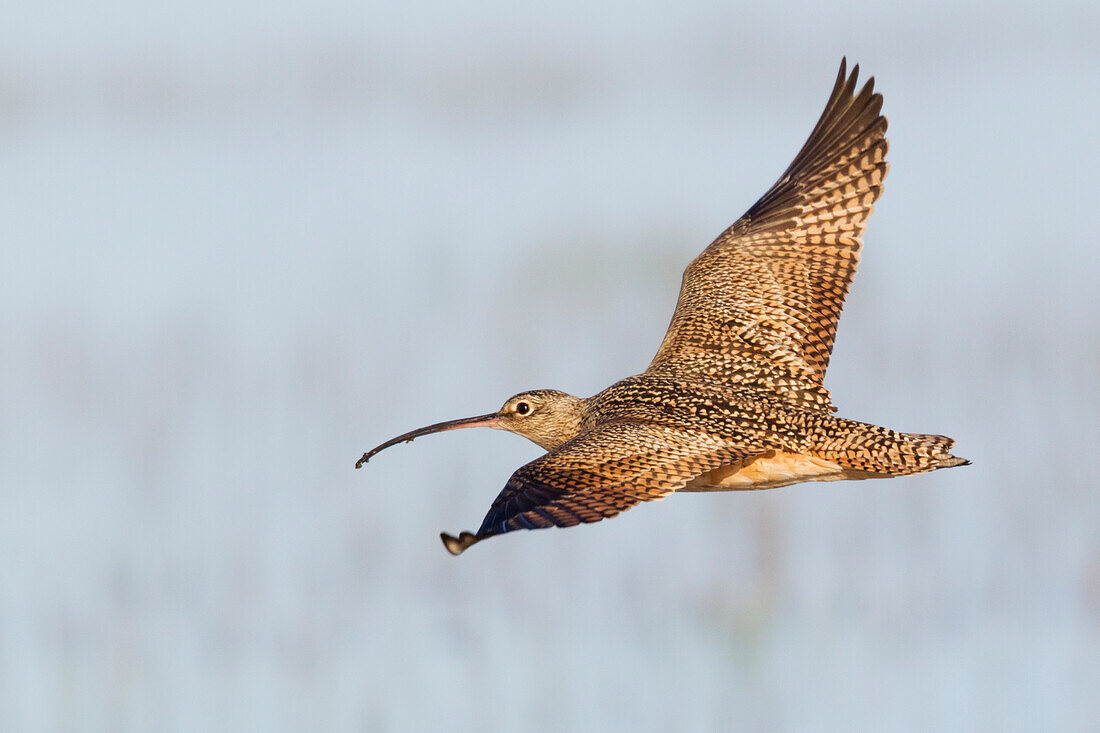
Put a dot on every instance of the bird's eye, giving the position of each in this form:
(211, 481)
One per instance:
(522, 408)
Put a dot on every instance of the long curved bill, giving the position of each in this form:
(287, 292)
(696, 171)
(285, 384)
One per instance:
(487, 421)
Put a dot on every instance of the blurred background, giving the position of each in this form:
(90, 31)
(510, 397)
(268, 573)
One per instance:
(243, 242)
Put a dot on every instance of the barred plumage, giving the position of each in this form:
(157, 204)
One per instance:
(734, 398)
(759, 307)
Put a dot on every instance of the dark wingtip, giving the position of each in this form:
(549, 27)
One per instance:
(458, 545)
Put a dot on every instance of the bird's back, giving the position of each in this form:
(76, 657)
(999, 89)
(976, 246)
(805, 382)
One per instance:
(803, 443)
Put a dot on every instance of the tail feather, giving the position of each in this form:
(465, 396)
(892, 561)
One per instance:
(865, 447)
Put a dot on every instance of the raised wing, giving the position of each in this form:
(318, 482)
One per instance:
(599, 474)
(758, 308)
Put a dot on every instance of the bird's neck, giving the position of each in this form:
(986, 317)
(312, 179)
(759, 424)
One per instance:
(567, 423)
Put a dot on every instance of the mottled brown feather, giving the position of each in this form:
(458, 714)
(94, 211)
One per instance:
(601, 473)
(758, 308)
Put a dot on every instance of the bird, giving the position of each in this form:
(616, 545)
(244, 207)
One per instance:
(734, 398)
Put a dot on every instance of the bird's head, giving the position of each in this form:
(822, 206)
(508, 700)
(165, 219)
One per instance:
(545, 416)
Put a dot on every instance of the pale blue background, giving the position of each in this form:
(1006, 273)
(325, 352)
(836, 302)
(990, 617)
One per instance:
(243, 242)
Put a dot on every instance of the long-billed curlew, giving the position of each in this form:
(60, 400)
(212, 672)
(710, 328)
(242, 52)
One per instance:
(734, 397)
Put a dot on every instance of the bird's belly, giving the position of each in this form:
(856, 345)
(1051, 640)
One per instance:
(770, 470)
